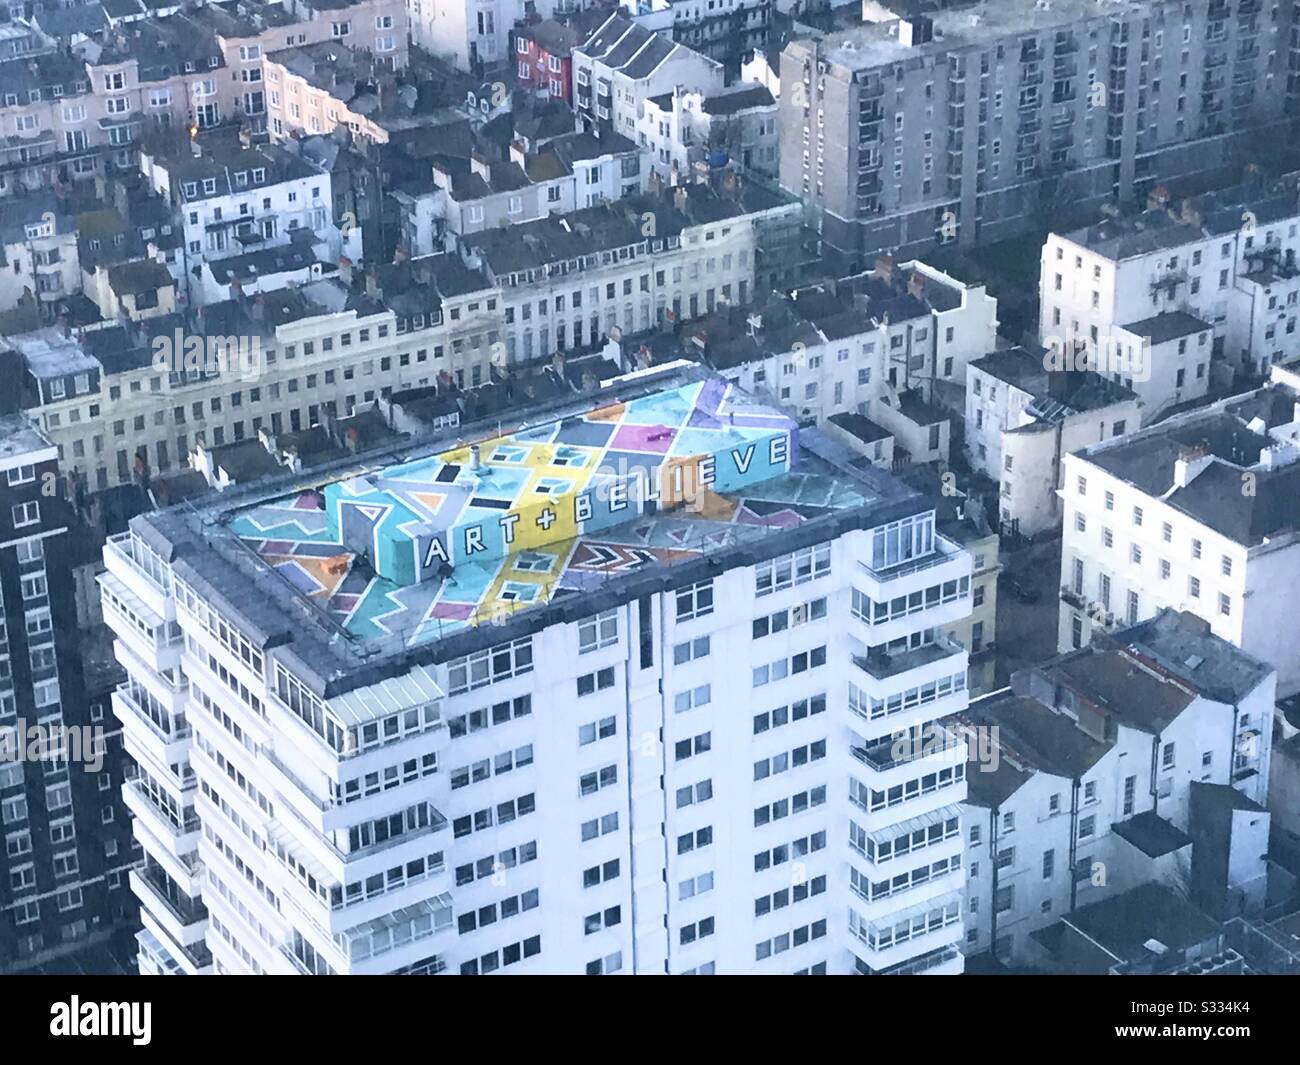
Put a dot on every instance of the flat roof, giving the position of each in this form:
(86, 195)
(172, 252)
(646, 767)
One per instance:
(1152, 834)
(1170, 325)
(341, 563)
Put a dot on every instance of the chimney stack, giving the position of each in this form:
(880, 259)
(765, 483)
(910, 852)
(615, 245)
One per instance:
(1190, 462)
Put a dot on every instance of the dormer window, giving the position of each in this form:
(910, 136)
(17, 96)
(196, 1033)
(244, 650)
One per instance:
(259, 175)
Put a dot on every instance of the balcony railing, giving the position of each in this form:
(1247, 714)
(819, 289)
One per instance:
(945, 551)
(907, 747)
(881, 664)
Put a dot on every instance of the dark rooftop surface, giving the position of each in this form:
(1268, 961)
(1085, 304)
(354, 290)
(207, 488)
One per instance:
(737, 98)
(1170, 325)
(1147, 459)
(1115, 683)
(1152, 834)
(1182, 644)
(1032, 737)
(1119, 927)
(1211, 214)
(860, 426)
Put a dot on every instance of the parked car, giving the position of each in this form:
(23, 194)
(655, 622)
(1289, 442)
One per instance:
(1020, 589)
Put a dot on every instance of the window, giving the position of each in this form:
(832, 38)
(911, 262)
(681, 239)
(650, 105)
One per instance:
(594, 922)
(694, 794)
(489, 666)
(684, 749)
(789, 570)
(598, 681)
(1087, 826)
(597, 730)
(692, 699)
(693, 841)
(697, 885)
(691, 650)
(597, 632)
(695, 601)
(28, 513)
(590, 783)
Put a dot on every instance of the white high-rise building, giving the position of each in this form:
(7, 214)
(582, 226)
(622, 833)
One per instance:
(621, 691)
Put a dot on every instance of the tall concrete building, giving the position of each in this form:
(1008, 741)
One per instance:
(629, 690)
(966, 125)
(60, 879)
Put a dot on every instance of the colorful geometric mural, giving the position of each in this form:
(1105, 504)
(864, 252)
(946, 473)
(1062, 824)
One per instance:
(551, 482)
(350, 548)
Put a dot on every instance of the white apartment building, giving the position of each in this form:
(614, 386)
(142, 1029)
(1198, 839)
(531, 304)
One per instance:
(1227, 258)
(685, 128)
(855, 344)
(1021, 418)
(234, 198)
(621, 65)
(1197, 513)
(675, 254)
(512, 777)
(104, 402)
(566, 173)
(38, 244)
(475, 34)
(1091, 783)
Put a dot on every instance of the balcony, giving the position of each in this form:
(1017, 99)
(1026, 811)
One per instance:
(154, 592)
(154, 639)
(154, 959)
(396, 939)
(907, 748)
(904, 936)
(142, 731)
(917, 841)
(1073, 598)
(947, 561)
(185, 920)
(193, 960)
(946, 961)
(881, 674)
(177, 839)
(890, 896)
